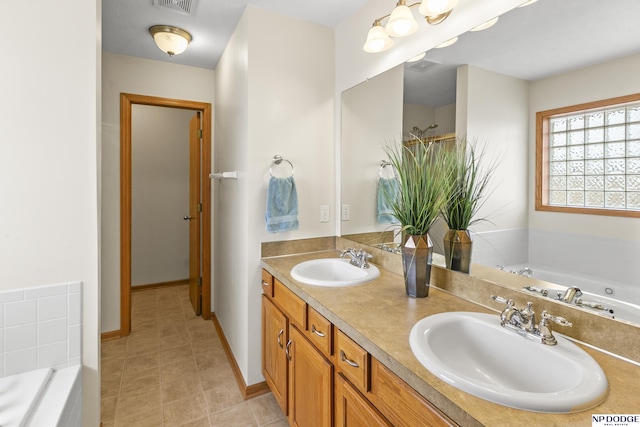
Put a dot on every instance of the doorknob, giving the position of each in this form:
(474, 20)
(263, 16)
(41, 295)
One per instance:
(187, 218)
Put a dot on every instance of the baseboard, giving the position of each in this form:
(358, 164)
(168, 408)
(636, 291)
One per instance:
(151, 286)
(111, 335)
(247, 391)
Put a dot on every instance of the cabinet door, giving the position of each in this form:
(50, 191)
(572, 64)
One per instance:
(274, 360)
(353, 410)
(310, 384)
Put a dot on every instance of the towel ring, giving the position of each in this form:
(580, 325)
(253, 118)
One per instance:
(384, 164)
(277, 159)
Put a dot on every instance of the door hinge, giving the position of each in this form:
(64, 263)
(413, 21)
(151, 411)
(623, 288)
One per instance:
(199, 207)
(200, 133)
(199, 282)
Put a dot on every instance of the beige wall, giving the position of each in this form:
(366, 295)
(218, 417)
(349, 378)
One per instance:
(274, 96)
(49, 157)
(492, 111)
(371, 121)
(602, 81)
(159, 194)
(126, 74)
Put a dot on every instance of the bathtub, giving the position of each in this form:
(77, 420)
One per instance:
(41, 398)
(613, 299)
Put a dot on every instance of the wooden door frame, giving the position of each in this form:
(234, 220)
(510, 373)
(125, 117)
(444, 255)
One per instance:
(126, 102)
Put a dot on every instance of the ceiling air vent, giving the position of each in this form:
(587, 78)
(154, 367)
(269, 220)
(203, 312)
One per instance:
(422, 65)
(183, 7)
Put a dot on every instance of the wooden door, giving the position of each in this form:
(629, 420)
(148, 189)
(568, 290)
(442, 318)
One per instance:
(353, 410)
(310, 384)
(274, 361)
(195, 210)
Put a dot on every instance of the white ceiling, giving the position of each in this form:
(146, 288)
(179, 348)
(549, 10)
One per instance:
(548, 37)
(530, 43)
(125, 24)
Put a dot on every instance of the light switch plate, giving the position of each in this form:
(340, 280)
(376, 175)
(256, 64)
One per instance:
(324, 213)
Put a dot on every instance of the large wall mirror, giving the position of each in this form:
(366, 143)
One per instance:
(488, 87)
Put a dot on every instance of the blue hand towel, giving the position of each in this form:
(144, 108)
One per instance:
(282, 205)
(388, 188)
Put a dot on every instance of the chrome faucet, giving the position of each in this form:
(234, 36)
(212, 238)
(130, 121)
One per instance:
(569, 294)
(523, 322)
(359, 258)
(526, 271)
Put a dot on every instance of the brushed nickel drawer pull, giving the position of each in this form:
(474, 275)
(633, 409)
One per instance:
(343, 357)
(264, 283)
(286, 351)
(317, 332)
(279, 335)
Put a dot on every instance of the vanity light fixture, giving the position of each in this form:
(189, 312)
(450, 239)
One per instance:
(447, 43)
(417, 58)
(486, 25)
(171, 40)
(401, 22)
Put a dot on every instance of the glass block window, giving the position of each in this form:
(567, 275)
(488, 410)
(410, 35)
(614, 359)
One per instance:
(588, 158)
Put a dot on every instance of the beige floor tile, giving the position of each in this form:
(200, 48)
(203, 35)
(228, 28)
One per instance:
(177, 369)
(184, 410)
(142, 399)
(168, 355)
(265, 409)
(202, 422)
(150, 417)
(168, 341)
(280, 423)
(140, 379)
(222, 396)
(210, 358)
(110, 382)
(143, 344)
(108, 408)
(236, 416)
(141, 362)
(180, 388)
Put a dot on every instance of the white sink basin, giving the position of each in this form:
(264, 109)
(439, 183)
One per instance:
(333, 272)
(473, 353)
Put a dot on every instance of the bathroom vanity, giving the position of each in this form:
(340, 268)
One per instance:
(341, 356)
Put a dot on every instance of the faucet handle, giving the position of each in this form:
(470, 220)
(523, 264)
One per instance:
(503, 300)
(557, 319)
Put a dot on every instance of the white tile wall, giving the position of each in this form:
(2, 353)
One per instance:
(40, 327)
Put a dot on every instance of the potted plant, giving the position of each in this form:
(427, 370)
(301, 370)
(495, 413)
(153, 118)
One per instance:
(468, 184)
(422, 191)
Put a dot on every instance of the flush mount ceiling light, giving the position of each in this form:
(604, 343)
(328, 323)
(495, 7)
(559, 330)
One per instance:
(401, 22)
(171, 40)
(447, 43)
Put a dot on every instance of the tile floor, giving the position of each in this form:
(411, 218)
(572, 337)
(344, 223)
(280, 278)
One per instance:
(173, 371)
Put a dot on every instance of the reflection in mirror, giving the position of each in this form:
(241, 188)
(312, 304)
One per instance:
(488, 87)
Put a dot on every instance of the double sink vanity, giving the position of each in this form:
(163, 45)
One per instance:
(353, 349)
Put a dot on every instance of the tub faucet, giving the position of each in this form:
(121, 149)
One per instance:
(526, 271)
(569, 294)
(523, 322)
(359, 258)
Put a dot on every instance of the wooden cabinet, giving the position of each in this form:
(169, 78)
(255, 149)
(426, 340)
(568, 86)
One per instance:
(301, 349)
(310, 383)
(353, 410)
(299, 374)
(275, 335)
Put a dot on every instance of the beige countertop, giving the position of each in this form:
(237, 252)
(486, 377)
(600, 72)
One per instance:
(379, 316)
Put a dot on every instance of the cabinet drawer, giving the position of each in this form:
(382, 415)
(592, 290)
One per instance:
(294, 307)
(400, 403)
(267, 283)
(352, 361)
(319, 331)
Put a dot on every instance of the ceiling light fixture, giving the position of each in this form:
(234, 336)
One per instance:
(171, 40)
(401, 22)
(417, 58)
(447, 43)
(486, 25)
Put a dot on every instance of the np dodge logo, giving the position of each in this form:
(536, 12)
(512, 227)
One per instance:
(614, 420)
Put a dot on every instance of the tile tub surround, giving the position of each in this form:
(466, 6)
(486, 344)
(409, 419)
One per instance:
(357, 311)
(40, 327)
